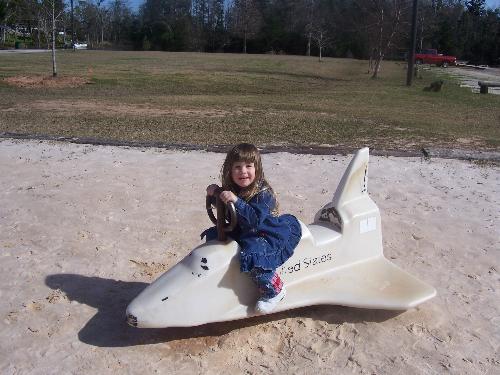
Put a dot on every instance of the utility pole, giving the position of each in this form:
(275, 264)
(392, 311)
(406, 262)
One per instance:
(413, 38)
(72, 26)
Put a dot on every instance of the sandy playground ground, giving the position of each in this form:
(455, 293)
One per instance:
(83, 229)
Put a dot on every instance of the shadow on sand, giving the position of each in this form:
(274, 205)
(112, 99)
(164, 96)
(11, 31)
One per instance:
(107, 328)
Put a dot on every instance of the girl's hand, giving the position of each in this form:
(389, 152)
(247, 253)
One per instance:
(211, 189)
(228, 196)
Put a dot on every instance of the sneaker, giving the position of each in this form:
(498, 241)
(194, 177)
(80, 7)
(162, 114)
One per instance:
(267, 305)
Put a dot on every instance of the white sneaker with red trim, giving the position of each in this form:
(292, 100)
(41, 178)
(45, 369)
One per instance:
(267, 305)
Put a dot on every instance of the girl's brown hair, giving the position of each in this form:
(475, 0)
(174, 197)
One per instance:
(248, 153)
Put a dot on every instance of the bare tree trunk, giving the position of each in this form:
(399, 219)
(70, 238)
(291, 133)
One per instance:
(245, 42)
(102, 27)
(46, 31)
(379, 52)
(422, 33)
(378, 62)
(308, 52)
(370, 61)
(320, 46)
(383, 47)
(54, 65)
(322, 41)
(310, 20)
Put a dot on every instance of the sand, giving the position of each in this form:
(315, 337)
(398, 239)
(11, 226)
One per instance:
(83, 229)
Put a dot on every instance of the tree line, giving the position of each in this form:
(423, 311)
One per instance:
(368, 29)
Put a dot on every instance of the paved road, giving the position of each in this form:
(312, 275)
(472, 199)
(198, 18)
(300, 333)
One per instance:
(6, 51)
(470, 77)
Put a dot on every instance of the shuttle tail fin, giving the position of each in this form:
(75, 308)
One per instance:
(352, 186)
(354, 182)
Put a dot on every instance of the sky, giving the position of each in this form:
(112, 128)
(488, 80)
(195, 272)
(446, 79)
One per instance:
(489, 3)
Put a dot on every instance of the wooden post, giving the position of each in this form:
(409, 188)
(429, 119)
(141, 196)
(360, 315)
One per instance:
(411, 54)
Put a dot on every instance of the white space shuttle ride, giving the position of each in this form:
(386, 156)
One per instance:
(339, 261)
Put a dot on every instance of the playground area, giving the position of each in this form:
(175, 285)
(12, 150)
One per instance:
(85, 228)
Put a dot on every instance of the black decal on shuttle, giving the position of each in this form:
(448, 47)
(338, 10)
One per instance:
(364, 189)
(204, 260)
(307, 262)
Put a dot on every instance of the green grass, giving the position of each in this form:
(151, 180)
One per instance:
(227, 98)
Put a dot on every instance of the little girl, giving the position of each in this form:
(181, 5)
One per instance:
(266, 239)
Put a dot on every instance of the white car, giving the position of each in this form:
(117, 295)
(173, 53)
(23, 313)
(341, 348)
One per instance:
(80, 46)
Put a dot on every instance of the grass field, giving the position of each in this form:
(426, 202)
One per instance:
(207, 99)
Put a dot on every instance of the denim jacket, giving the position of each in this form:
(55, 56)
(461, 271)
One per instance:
(266, 241)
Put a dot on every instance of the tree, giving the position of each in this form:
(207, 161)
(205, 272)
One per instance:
(10, 12)
(208, 20)
(383, 19)
(3, 16)
(53, 11)
(373, 29)
(101, 13)
(245, 19)
(322, 40)
(120, 20)
(310, 11)
(321, 24)
(167, 24)
(215, 25)
(475, 7)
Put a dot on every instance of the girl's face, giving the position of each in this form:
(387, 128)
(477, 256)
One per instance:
(243, 173)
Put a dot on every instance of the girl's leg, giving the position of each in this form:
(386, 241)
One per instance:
(271, 289)
(268, 282)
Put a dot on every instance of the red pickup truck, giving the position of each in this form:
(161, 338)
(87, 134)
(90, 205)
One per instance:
(431, 56)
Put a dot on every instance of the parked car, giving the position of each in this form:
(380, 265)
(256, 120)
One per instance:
(80, 46)
(431, 56)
